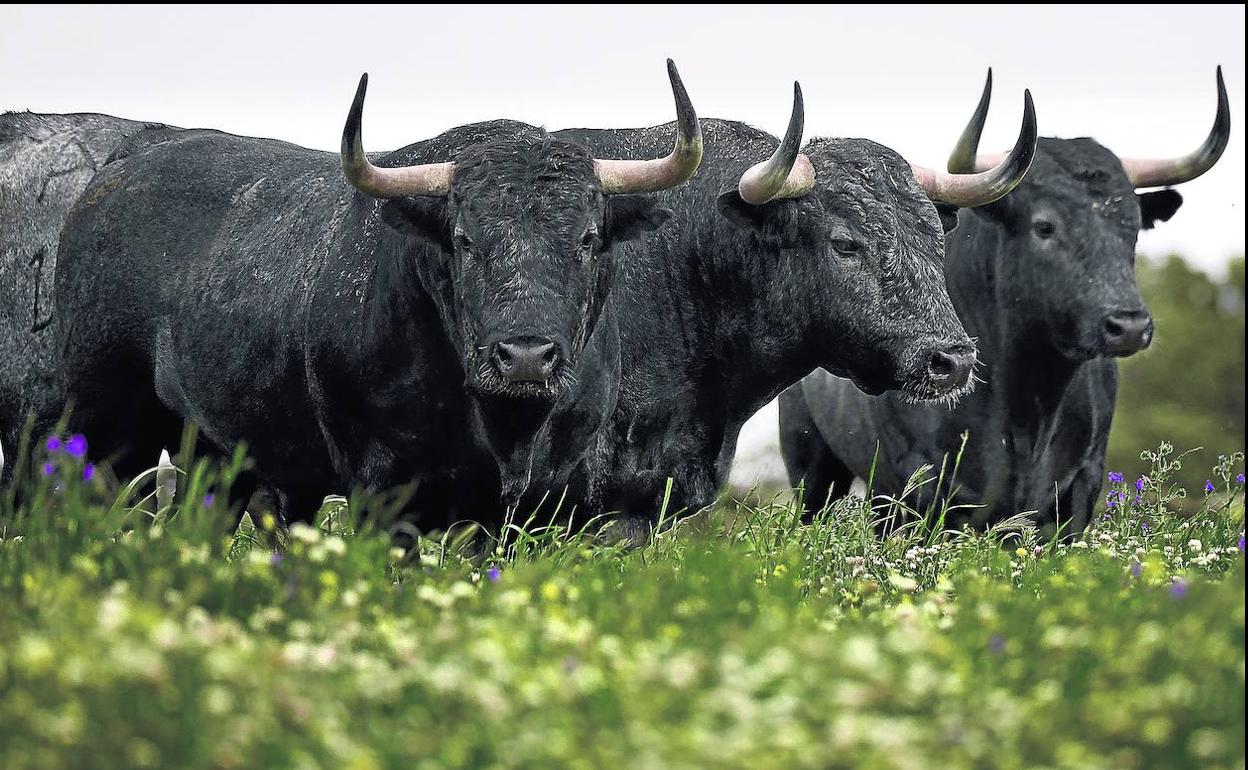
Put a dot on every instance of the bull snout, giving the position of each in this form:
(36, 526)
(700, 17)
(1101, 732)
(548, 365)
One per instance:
(949, 368)
(1126, 331)
(526, 359)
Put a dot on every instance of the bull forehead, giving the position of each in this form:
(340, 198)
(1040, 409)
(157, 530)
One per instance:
(531, 185)
(1081, 176)
(874, 187)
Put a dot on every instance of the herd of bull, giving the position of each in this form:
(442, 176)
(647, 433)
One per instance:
(502, 314)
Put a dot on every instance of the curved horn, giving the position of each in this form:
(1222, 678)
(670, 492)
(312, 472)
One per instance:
(645, 176)
(968, 190)
(1144, 172)
(425, 179)
(963, 158)
(787, 173)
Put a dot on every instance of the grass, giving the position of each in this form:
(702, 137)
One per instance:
(140, 630)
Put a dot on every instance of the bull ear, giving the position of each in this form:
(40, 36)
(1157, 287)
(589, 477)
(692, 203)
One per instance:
(423, 218)
(1158, 206)
(630, 216)
(948, 216)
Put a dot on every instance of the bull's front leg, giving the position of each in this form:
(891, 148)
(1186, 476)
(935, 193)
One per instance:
(1078, 502)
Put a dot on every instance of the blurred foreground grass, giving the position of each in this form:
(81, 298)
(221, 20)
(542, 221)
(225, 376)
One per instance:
(139, 633)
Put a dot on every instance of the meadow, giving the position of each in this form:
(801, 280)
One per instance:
(148, 628)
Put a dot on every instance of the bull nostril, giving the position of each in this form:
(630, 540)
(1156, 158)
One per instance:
(950, 368)
(1113, 328)
(941, 365)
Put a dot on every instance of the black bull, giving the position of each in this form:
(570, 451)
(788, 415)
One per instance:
(834, 262)
(1044, 279)
(444, 323)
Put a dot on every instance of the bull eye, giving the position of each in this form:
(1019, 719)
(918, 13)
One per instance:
(845, 247)
(1044, 229)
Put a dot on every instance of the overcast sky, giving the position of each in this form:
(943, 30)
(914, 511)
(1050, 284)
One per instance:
(1139, 79)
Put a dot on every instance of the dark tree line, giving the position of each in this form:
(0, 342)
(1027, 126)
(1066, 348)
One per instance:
(1188, 388)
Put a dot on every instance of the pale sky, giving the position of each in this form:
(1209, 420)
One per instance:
(1138, 79)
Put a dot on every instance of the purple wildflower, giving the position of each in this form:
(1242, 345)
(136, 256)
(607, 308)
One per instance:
(77, 445)
(53, 444)
(1239, 479)
(1111, 501)
(209, 499)
(996, 644)
(1178, 589)
(1208, 487)
(276, 558)
(1136, 569)
(1139, 485)
(1241, 542)
(494, 573)
(48, 469)
(88, 471)
(1138, 499)
(1144, 527)
(1115, 477)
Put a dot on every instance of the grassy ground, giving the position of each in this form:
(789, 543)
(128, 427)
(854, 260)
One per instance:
(137, 632)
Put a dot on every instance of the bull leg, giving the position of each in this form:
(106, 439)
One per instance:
(807, 457)
(299, 504)
(120, 414)
(1077, 503)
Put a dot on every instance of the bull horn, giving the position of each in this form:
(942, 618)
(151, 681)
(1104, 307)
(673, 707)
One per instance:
(965, 156)
(646, 176)
(432, 179)
(969, 190)
(1149, 172)
(787, 173)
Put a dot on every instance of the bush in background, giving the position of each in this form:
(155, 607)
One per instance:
(1188, 388)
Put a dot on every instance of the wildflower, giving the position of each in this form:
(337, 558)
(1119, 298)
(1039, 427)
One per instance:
(209, 499)
(1115, 477)
(77, 445)
(1144, 527)
(494, 574)
(1139, 485)
(1208, 487)
(276, 558)
(1178, 589)
(1239, 479)
(996, 644)
(1195, 545)
(88, 471)
(48, 469)
(1241, 542)
(53, 444)
(1112, 500)
(1020, 552)
(1136, 569)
